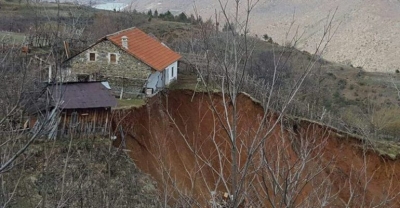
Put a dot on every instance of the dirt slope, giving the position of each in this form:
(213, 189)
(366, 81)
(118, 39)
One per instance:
(179, 140)
(367, 36)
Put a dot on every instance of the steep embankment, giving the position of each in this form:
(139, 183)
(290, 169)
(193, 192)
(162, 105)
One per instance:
(180, 139)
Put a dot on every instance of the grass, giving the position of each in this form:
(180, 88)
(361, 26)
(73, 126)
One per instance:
(189, 81)
(129, 103)
(17, 38)
(167, 31)
(185, 81)
(387, 148)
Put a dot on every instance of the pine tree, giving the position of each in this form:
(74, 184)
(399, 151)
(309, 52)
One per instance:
(150, 13)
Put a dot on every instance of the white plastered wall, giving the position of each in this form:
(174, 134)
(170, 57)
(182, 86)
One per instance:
(171, 73)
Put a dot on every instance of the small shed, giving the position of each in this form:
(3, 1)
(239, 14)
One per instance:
(85, 107)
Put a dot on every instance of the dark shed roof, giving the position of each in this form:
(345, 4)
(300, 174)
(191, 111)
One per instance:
(83, 95)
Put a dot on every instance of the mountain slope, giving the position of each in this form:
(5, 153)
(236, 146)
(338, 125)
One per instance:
(367, 36)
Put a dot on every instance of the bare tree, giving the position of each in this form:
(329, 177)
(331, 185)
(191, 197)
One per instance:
(231, 63)
(15, 135)
(239, 158)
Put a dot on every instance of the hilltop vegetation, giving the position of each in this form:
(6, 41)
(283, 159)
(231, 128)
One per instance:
(367, 36)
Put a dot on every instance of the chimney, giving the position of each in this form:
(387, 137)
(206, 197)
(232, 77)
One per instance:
(124, 41)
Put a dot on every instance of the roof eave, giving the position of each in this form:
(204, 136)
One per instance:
(165, 66)
(97, 42)
(116, 33)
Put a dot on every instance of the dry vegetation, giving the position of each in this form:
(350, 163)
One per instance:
(130, 103)
(367, 36)
(78, 173)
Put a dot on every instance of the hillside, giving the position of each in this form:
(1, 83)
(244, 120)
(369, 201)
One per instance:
(77, 173)
(337, 144)
(367, 36)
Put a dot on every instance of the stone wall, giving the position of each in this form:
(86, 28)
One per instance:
(128, 72)
(132, 88)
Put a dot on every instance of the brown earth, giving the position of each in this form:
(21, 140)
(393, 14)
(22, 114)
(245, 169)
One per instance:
(179, 140)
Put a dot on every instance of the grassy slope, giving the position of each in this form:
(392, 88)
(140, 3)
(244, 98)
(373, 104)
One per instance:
(348, 92)
(130, 103)
(96, 175)
(15, 38)
(167, 31)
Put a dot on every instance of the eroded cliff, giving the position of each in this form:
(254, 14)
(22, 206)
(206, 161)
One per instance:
(182, 139)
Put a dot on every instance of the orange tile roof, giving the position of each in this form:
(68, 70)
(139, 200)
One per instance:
(145, 48)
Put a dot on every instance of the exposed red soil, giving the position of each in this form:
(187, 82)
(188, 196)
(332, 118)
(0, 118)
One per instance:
(179, 140)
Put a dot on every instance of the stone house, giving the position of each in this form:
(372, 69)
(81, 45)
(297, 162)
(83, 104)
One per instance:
(133, 62)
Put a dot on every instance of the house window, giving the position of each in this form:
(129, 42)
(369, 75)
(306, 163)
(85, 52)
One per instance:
(113, 58)
(172, 72)
(92, 56)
